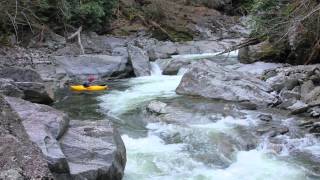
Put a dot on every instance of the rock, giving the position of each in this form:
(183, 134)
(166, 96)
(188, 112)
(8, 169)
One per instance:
(139, 60)
(306, 87)
(79, 67)
(172, 66)
(20, 74)
(94, 150)
(248, 106)
(265, 117)
(19, 157)
(210, 80)
(157, 107)
(35, 92)
(263, 130)
(314, 111)
(313, 97)
(45, 126)
(27, 81)
(315, 128)
(298, 107)
(306, 123)
(9, 88)
(282, 130)
(254, 53)
(162, 50)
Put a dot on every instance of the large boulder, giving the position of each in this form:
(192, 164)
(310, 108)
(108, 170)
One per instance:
(27, 81)
(94, 150)
(139, 60)
(44, 126)
(209, 80)
(79, 67)
(20, 158)
(258, 52)
(172, 66)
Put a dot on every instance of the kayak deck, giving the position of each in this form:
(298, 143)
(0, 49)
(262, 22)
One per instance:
(90, 88)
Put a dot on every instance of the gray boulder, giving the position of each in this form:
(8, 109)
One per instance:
(139, 61)
(24, 83)
(157, 107)
(172, 66)
(9, 88)
(35, 92)
(209, 80)
(20, 158)
(45, 126)
(94, 150)
(253, 53)
(79, 67)
(20, 74)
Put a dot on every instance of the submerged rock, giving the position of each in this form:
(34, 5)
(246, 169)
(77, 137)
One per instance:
(209, 80)
(139, 60)
(157, 107)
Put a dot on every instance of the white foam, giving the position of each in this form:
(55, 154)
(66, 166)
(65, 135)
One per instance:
(141, 90)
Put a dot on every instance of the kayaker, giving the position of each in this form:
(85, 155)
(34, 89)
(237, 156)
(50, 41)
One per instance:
(88, 83)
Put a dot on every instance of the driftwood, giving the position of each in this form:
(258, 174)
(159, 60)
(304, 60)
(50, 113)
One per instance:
(248, 42)
(78, 35)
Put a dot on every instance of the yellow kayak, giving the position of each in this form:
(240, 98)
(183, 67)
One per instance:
(90, 88)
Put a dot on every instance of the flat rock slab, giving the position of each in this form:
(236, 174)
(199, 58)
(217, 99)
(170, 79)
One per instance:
(209, 80)
(84, 65)
(94, 150)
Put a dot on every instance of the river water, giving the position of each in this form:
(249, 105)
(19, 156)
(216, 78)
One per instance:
(212, 140)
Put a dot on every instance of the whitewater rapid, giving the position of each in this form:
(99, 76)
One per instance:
(152, 157)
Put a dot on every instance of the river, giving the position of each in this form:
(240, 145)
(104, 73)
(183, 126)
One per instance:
(211, 140)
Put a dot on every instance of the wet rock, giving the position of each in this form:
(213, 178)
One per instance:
(209, 80)
(139, 60)
(314, 111)
(19, 157)
(157, 107)
(94, 150)
(306, 123)
(248, 106)
(9, 88)
(44, 126)
(282, 130)
(315, 128)
(265, 117)
(298, 107)
(80, 67)
(263, 130)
